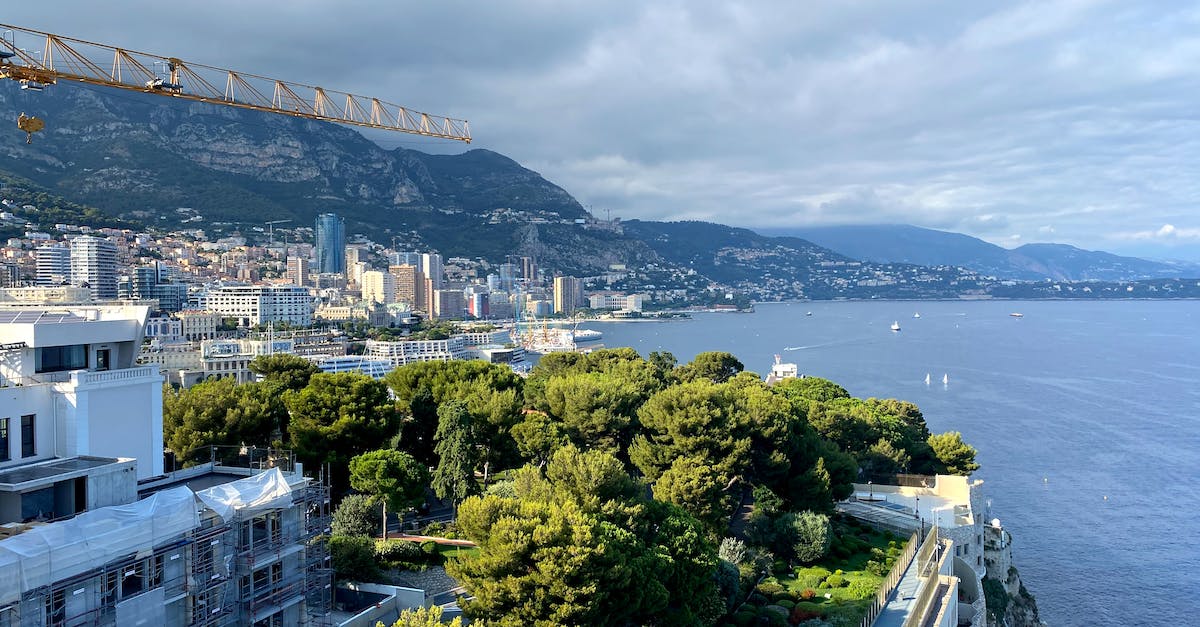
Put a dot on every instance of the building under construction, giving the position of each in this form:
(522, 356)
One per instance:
(209, 545)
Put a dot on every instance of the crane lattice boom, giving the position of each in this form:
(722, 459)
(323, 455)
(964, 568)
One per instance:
(64, 58)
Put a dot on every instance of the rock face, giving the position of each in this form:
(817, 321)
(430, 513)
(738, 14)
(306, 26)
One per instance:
(134, 155)
(1009, 604)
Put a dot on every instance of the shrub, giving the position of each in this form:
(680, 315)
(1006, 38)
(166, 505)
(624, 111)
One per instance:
(839, 572)
(786, 603)
(733, 551)
(835, 581)
(429, 547)
(769, 588)
(728, 583)
(357, 515)
(758, 599)
(813, 535)
(397, 551)
(823, 585)
(808, 594)
(863, 589)
(353, 557)
(745, 618)
(800, 614)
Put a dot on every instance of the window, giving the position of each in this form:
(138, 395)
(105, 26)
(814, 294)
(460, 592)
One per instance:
(4, 452)
(60, 358)
(28, 435)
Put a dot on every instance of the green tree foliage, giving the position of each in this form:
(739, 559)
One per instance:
(699, 489)
(811, 389)
(356, 515)
(956, 456)
(716, 366)
(580, 545)
(353, 557)
(220, 412)
(813, 535)
(745, 432)
(595, 409)
(393, 476)
(338, 416)
(424, 617)
(734, 551)
(457, 453)
(538, 436)
(493, 395)
(287, 372)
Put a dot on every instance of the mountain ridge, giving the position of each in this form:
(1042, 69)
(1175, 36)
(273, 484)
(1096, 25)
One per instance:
(904, 243)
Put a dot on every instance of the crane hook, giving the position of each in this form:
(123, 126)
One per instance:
(30, 124)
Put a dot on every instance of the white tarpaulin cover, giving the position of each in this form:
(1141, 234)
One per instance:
(49, 553)
(249, 496)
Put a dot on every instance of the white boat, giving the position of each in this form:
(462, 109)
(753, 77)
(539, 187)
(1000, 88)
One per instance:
(945, 379)
(926, 378)
(896, 325)
(917, 315)
(1017, 315)
(587, 335)
(808, 314)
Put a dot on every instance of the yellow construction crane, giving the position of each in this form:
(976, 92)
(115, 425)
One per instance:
(63, 58)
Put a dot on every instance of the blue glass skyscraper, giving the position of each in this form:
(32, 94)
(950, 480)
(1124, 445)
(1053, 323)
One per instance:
(331, 244)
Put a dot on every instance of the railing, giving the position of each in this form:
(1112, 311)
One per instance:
(124, 374)
(891, 581)
(930, 581)
(927, 551)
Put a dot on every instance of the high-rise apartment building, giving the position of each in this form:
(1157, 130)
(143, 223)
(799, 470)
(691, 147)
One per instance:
(298, 270)
(53, 264)
(378, 287)
(94, 264)
(448, 304)
(528, 269)
(568, 294)
(431, 267)
(410, 285)
(330, 232)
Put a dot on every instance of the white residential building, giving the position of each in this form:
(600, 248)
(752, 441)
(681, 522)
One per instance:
(260, 304)
(378, 287)
(412, 351)
(69, 387)
(53, 264)
(94, 264)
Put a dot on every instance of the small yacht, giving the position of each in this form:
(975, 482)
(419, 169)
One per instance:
(945, 379)
(896, 325)
(926, 378)
(917, 315)
(1017, 315)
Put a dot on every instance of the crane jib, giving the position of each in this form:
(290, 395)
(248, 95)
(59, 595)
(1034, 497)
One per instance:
(66, 59)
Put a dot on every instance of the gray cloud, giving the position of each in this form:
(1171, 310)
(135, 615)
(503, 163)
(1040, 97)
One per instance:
(1069, 120)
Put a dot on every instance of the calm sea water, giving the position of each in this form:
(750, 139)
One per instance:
(1086, 416)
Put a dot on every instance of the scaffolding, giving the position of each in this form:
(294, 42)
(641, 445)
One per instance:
(250, 558)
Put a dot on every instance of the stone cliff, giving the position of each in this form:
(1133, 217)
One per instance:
(1009, 604)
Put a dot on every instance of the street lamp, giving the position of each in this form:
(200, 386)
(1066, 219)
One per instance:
(870, 491)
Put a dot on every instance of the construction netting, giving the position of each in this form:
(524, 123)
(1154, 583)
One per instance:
(248, 497)
(57, 551)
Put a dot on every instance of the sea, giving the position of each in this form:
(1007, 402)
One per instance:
(1086, 416)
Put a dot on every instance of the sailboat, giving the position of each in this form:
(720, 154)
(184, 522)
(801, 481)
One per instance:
(926, 378)
(945, 379)
(896, 325)
(917, 314)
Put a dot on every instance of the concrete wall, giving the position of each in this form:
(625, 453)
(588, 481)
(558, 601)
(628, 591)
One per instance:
(116, 414)
(112, 485)
(17, 401)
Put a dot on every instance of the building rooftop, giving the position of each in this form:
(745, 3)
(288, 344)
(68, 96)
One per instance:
(13, 479)
(37, 316)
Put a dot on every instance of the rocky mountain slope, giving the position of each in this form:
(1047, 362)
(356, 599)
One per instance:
(144, 157)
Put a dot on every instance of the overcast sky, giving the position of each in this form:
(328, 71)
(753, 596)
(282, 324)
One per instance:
(1072, 121)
